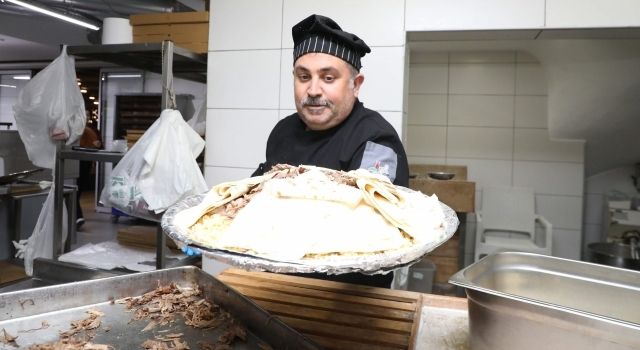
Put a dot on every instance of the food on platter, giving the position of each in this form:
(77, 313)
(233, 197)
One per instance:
(298, 213)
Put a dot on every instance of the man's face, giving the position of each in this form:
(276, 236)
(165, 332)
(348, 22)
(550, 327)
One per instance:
(324, 90)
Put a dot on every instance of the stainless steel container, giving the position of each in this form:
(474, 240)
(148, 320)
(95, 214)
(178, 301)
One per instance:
(23, 312)
(529, 301)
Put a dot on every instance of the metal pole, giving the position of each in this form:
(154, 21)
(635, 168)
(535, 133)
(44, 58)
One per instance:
(58, 186)
(167, 86)
(167, 73)
(161, 248)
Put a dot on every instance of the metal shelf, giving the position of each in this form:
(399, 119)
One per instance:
(147, 56)
(164, 58)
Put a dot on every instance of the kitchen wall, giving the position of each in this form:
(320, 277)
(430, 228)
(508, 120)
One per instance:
(250, 84)
(488, 111)
(250, 87)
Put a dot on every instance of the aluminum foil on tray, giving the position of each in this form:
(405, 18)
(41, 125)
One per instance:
(367, 264)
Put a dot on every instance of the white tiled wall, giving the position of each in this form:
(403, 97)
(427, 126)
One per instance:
(250, 84)
(487, 110)
(378, 24)
(253, 83)
(472, 14)
(225, 147)
(436, 15)
(592, 13)
(245, 24)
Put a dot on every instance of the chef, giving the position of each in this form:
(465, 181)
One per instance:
(331, 127)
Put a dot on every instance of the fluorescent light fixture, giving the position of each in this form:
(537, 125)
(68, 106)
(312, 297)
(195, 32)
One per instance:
(22, 77)
(84, 91)
(9, 86)
(53, 14)
(119, 75)
(92, 98)
(96, 102)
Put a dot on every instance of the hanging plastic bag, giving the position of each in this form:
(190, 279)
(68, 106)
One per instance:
(40, 244)
(158, 170)
(50, 101)
(199, 121)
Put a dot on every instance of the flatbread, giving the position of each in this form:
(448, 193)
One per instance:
(412, 212)
(313, 212)
(218, 196)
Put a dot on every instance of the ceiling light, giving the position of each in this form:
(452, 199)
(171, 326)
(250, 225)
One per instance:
(96, 102)
(124, 75)
(8, 86)
(92, 98)
(53, 14)
(84, 91)
(21, 77)
(79, 83)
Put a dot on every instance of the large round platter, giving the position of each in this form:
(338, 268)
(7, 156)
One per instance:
(367, 264)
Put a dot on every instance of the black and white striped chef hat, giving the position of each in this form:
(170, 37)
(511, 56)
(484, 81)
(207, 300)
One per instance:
(322, 34)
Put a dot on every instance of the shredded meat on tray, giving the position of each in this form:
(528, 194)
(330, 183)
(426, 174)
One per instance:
(160, 307)
(79, 336)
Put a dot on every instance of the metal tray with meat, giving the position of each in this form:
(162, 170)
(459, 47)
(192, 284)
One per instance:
(178, 308)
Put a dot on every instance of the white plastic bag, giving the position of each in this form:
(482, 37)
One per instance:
(50, 100)
(158, 170)
(199, 121)
(40, 244)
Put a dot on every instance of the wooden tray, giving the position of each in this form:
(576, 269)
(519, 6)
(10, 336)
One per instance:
(335, 315)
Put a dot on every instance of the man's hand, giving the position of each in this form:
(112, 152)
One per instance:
(58, 134)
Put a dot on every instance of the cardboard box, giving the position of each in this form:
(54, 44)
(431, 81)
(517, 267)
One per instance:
(189, 30)
(458, 195)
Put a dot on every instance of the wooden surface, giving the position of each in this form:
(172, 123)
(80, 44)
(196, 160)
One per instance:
(141, 236)
(169, 17)
(458, 195)
(339, 315)
(445, 257)
(10, 272)
(189, 30)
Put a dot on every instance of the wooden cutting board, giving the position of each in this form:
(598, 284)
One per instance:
(335, 315)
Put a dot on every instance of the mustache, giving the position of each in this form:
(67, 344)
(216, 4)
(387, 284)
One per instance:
(315, 101)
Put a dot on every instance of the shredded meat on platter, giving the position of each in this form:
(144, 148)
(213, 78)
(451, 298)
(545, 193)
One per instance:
(282, 171)
(285, 171)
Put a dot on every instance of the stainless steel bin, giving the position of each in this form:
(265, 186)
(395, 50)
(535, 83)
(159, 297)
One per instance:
(529, 301)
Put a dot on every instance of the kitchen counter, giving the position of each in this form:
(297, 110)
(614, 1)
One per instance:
(344, 316)
(335, 315)
(444, 323)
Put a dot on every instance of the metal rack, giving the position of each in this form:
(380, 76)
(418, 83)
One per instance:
(164, 58)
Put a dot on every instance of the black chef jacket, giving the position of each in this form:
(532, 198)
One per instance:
(363, 140)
